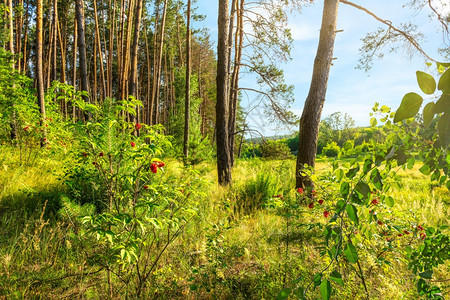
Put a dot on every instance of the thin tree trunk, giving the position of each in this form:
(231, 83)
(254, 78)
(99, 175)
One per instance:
(223, 149)
(234, 90)
(134, 55)
(82, 46)
(11, 49)
(187, 99)
(157, 71)
(25, 42)
(39, 73)
(310, 120)
(100, 54)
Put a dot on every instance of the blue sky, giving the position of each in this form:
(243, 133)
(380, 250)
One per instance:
(349, 90)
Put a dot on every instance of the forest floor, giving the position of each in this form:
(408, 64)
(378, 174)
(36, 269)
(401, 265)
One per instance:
(238, 246)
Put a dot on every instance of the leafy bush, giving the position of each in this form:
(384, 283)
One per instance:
(331, 150)
(276, 149)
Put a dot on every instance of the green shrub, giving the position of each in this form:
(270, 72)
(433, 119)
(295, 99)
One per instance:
(331, 149)
(276, 149)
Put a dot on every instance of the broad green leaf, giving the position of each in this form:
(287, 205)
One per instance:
(425, 170)
(389, 201)
(426, 82)
(337, 277)
(428, 114)
(444, 81)
(325, 290)
(351, 254)
(339, 174)
(363, 188)
(317, 279)
(352, 213)
(409, 107)
(411, 162)
(385, 109)
(340, 206)
(345, 189)
(352, 172)
(443, 104)
(375, 177)
(444, 129)
(373, 122)
(284, 294)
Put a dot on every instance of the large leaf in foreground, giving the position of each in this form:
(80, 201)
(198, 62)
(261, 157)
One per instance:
(409, 107)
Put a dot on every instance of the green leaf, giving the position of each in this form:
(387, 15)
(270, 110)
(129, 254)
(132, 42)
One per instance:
(428, 114)
(352, 172)
(284, 294)
(337, 277)
(389, 201)
(411, 162)
(339, 174)
(385, 109)
(426, 82)
(345, 189)
(351, 254)
(409, 107)
(352, 213)
(427, 274)
(425, 170)
(363, 188)
(373, 122)
(444, 129)
(444, 81)
(317, 279)
(443, 104)
(375, 177)
(325, 289)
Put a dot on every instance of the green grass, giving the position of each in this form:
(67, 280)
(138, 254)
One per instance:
(235, 249)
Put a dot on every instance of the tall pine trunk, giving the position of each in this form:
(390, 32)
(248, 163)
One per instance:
(39, 71)
(187, 98)
(312, 111)
(81, 46)
(223, 149)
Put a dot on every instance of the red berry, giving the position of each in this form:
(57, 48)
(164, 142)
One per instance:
(101, 154)
(133, 144)
(321, 201)
(160, 164)
(26, 128)
(326, 214)
(137, 126)
(84, 154)
(311, 205)
(419, 227)
(300, 191)
(146, 187)
(154, 167)
(405, 231)
(400, 235)
(375, 201)
(379, 222)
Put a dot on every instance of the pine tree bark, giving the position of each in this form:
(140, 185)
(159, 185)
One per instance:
(81, 46)
(223, 149)
(234, 89)
(39, 71)
(312, 111)
(187, 97)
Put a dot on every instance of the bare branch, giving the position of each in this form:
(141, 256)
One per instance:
(409, 38)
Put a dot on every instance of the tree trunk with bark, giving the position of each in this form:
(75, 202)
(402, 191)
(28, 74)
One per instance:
(39, 72)
(187, 99)
(223, 149)
(312, 111)
(81, 46)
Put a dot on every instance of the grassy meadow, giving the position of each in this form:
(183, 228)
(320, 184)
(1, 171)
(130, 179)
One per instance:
(236, 247)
